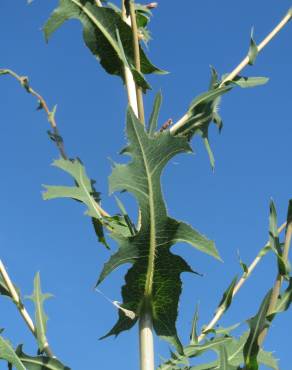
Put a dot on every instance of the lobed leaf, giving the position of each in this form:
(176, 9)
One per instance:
(100, 26)
(235, 358)
(153, 282)
(83, 191)
(41, 318)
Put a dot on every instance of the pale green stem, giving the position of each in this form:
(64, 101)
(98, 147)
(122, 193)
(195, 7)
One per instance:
(129, 80)
(146, 342)
(136, 46)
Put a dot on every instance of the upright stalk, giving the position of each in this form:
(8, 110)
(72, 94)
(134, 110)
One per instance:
(136, 47)
(135, 97)
(146, 342)
(129, 80)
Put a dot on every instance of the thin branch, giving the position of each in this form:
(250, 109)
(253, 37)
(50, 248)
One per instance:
(136, 47)
(20, 306)
(23, 80)
(239, 284)
(241, 65)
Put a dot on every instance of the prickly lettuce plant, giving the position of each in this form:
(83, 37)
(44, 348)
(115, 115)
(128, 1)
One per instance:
(152, 288)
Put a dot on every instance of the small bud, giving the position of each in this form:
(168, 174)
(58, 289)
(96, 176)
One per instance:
(152, 5)
(25, 83)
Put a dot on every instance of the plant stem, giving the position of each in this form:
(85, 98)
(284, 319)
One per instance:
(135, 98)
(136, 47)
(241, 65)
(24, 81)
(146, 342)
(129, 80)
(239, 284)
(22, 310)
(278, 282)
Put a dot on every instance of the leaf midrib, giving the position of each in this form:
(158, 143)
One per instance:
(152, 247)
(101, 27)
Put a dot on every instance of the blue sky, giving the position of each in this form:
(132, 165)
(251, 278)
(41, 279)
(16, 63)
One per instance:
(230, 205)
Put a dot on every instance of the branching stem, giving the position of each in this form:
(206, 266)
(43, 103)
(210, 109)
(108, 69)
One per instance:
(239, 284)
(241, 65)
(20, 306)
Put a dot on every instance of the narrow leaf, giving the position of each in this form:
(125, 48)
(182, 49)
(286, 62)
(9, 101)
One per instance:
(227, 297)
(8, 354)
(3, 287)
(245, 82)
(253, 49)
(284, 301)
(40, 316)
(194, 335)
(257, 324)
(153, 122)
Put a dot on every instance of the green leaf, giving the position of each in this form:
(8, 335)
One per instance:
(83, 191)
(192, 351)
(128, 221)
(289, 213)
(221, 330)
(224, 363)
(153, 282)
(274, 242)
(284, 301)
(100, 26)
(153, 122)
(227, 297)
(40, 316)
(245, 82)
(253, 49)
(8, 354)
(194, 335)
(234, 348)
(39, 362)
(3, 287)
(257, 324)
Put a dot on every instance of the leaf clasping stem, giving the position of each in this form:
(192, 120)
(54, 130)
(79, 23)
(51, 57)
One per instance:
(20, 306)
(279, 281)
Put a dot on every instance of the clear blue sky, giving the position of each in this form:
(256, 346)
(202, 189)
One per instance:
(230, 206)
